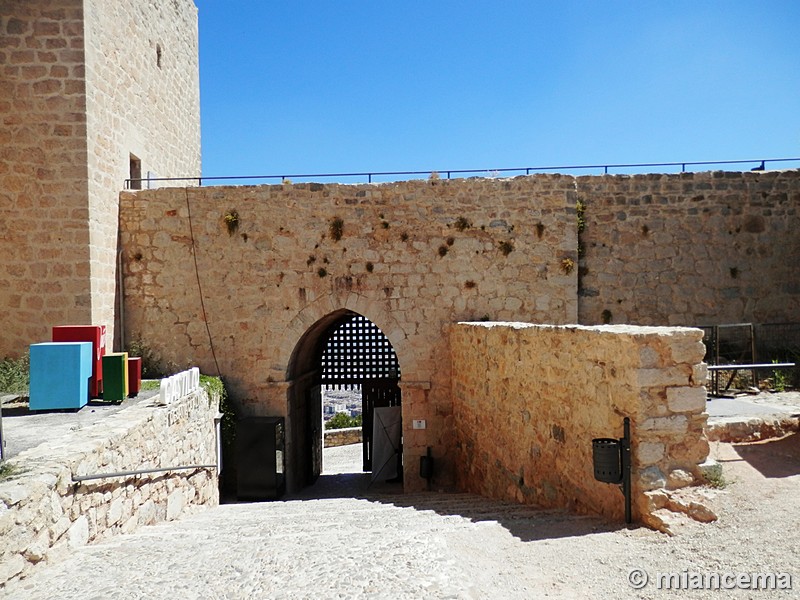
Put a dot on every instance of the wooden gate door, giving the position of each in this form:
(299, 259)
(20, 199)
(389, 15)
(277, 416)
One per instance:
(375, 393)
(314, 431)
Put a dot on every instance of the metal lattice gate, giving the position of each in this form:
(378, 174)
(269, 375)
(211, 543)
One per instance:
(358, 354)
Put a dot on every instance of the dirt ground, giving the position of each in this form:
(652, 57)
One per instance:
(513, 553)
(757, 532)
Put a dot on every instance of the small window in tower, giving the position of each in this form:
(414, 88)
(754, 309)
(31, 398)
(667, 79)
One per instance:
(158, 55)
(135, 179)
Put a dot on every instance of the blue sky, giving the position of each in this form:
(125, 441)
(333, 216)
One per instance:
(321, 86)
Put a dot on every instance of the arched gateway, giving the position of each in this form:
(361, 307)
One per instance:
(343, 350)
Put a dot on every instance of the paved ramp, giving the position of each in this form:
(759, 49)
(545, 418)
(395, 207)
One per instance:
(325, 548)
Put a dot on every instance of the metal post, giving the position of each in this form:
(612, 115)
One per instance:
(2, 442)
(625, 443)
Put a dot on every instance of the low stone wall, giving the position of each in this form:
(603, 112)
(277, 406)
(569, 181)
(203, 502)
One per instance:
(341, 437)
(43, 514)
(529, 399)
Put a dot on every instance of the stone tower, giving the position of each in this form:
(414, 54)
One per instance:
(92, 92)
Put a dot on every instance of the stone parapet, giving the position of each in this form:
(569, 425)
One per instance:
(44, 514)
(341, 437)
(529, 399)
(690, 248)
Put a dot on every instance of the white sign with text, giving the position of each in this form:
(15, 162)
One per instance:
(179, 385)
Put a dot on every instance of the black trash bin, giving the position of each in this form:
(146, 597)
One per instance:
(607, 459)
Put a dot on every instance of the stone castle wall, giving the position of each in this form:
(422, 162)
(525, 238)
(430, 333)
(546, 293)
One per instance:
(143, 99)
(528, 400)
(413, 258)
(44, 236)
(690, 249)
(43, 514)
(80, 93)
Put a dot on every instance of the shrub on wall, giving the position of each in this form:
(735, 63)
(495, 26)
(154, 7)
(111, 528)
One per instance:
(15, 374)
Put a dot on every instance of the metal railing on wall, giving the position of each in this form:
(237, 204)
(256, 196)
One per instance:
(370, 176)
(82, 478)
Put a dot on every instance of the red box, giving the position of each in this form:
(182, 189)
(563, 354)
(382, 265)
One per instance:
(96, 334)
(134, 375)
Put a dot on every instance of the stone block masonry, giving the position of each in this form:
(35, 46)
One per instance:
(529, 399)
(86, 85)
(690, 249)
(43, 514)
(416, 256)
(342, 437)
(413, 257)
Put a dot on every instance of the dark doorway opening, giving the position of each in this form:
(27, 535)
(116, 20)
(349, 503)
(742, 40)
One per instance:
(343, 350)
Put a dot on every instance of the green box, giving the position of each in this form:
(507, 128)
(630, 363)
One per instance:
(115, 376)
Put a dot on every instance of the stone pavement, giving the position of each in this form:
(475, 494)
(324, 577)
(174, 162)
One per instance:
(379, 545)
(344, 538)
(748, 417)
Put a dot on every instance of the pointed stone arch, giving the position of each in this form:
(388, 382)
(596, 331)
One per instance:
(325, 309)
(300, 354)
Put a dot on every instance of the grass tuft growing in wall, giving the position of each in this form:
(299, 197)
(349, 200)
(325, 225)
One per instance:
(336, 229)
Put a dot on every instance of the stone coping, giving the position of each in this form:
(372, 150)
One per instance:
(44, 514)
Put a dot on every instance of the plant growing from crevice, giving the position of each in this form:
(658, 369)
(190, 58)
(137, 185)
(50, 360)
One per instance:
(443, 251)
(7, 470)
(336, 229)
(231, 220)
(385, 224)
(580, 211)
(322, 272)
(716, 479)
(450, 241)
(311, 260)
(370, 267)
(567, 265)
(506, 247)
(539, 230)
(780, 380)
(404, 237)
(434, 177)
(462, 224)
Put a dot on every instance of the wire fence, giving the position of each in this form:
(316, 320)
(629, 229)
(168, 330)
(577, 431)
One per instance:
(388, 176)
(742, 343)
(754, 343)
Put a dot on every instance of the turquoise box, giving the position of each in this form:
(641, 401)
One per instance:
(60, 373)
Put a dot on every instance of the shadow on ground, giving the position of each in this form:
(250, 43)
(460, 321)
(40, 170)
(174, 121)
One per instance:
(526, 523)
(773, 458)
